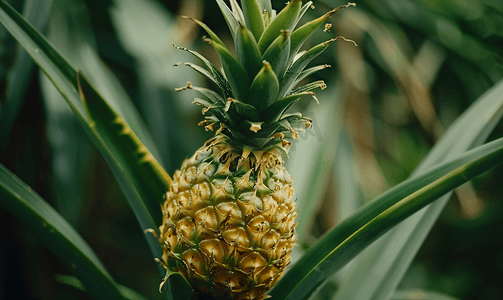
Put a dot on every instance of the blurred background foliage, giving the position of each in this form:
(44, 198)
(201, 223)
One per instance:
(417, 66)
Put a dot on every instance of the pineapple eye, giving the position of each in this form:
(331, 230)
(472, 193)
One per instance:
(213, 249)
(283, 248)
(187, 228)
(170, 238)
(172, 210)
(207, 217)
(229, 209)
(236, 236)
(270, 239)
(185, 200)
(194, 261)
(267, 275)
(252, 263)
(258, 224)
(233, 280)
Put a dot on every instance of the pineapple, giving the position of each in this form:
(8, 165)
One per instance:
(229, 215)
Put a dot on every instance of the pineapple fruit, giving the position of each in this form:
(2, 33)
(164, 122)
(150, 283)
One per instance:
(229, 215)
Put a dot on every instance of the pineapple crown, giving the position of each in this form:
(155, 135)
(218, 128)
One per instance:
(257, 86)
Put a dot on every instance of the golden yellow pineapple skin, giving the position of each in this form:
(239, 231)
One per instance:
(229, 221)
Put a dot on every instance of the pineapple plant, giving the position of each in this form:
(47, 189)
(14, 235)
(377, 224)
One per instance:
(229, 215)
(229, 221)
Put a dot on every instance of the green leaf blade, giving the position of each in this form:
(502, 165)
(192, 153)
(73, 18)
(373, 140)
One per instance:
(236, 74)
(469, 130)
(285, 20)
(301, 34)
(309, 72)
(278, 53)
(310, 86)
(213, 96)
(274, 112)
(253, 17)
(57, 235)
(208, 30)
(232, 23)
(211, 72)
(151, 178)
(236, 10)
(303, 11)
(264, 88)
(247, 51)
(57, 69)
(246, 110)
(287, 82)
(344, 242)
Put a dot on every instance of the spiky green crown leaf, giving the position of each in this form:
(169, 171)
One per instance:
(257, 85)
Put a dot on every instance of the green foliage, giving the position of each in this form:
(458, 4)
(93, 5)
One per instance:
(57, 235)
(421, 63)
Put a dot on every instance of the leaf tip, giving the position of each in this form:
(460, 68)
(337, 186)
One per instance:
(188, 87)
(266, 67)
(333, 11)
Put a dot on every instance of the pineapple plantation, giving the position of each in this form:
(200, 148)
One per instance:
(282, 198)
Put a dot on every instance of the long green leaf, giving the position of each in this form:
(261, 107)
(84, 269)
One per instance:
(40, 48)
(213, 96)
(146, 41)
(57, 69)
(59, 236)
(470, 130)
(203, 72)
(310, 86)
(145, 172)
(339, 246)
(70, 32)
(347, 187)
